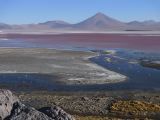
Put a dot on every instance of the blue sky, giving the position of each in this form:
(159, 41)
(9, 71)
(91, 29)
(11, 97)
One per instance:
(34, 11)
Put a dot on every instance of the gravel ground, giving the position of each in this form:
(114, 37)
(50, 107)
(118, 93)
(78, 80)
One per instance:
(83, 104)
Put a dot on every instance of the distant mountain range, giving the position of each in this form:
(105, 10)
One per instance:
(98, 22)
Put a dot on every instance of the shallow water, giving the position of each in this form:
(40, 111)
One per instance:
(124, 62)
(23, 43)
(85, 40)
(139, 77)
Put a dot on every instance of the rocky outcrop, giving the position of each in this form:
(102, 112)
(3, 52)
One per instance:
(22, 112)
(12, 109)
(56, 113)
(7, 99)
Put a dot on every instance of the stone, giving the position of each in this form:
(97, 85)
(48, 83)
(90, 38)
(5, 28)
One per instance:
(56, 113)
(12, 109)
(7, 99)
(22, 112)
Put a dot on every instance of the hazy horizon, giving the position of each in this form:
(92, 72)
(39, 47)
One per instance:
(37, 11)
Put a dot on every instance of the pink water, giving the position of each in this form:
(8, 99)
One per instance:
(97, 41)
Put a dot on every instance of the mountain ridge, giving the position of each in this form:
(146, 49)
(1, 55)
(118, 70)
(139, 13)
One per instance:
(99, 22)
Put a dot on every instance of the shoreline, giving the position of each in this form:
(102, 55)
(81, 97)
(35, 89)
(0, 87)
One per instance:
(59, 63)
(82, 105)
(59, 32)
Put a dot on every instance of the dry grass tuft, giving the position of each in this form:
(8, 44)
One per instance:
(135, 108)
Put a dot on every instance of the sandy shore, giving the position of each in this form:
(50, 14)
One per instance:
(71, 67)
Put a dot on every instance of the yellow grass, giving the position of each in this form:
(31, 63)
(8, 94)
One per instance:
(135, 107)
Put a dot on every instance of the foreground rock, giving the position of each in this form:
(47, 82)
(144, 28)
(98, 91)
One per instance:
(22, 112)
(56, 113)
(12, 109)
(7, 99)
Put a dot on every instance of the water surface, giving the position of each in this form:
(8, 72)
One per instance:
(124, 61)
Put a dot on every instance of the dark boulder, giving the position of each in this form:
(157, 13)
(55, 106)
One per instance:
(22, 112)
(12, 109)
(56, 113)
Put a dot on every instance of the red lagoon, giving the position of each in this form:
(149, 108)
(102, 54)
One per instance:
(95, 40)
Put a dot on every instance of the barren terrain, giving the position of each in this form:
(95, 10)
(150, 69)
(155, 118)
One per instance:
(71, 67)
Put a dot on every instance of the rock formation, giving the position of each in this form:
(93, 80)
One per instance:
(7, 99)
(56, 113)
(12, 109)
